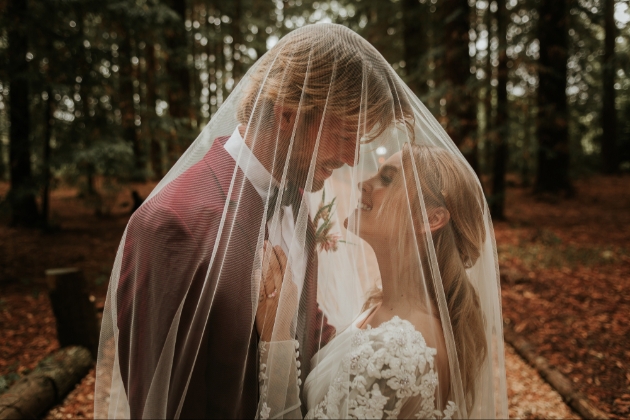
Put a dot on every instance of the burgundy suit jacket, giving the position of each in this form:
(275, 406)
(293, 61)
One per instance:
(168, 247)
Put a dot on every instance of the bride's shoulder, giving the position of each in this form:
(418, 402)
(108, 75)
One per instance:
(416, 332)
(397, 335)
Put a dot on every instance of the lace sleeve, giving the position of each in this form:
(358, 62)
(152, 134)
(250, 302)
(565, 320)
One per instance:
(389, 370)
(278, 377)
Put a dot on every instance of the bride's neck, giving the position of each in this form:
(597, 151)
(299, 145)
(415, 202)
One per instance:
(396, 291)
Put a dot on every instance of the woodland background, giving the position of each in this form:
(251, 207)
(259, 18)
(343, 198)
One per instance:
(99, 93)
(99, 98)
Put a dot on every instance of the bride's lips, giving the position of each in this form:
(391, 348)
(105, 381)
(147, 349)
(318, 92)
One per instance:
(364, 206)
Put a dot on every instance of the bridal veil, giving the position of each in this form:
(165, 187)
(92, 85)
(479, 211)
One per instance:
(283, 160)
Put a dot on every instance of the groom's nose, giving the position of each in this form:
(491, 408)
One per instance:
(348, 152)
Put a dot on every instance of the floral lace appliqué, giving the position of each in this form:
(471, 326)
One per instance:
(264, 410)
(387, 366)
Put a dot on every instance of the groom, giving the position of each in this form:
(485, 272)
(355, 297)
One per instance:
(170, 240)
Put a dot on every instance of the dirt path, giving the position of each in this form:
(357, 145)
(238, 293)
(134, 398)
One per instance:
(529, 396)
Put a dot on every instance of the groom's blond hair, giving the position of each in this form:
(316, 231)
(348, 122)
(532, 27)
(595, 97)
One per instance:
(329, 67)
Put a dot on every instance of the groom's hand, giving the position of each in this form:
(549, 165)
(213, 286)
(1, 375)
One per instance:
(277, 301)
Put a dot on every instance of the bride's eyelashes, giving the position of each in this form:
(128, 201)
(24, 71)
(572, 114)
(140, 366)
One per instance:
(387, 174)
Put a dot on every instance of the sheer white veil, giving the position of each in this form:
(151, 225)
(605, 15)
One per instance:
(316, 115)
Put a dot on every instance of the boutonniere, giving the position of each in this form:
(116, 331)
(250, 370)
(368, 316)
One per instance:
(325, 240)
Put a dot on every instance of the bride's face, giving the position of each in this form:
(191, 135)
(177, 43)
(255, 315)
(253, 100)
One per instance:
(367, 220)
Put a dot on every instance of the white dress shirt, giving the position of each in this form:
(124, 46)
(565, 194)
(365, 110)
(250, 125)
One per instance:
(264, 183)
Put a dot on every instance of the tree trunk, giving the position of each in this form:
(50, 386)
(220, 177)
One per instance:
(48, 384)
(499, 165)
(156, 157)
(180, 103)
(552, 120)
(237, 35)
(74, 313)
(415, 30)
(46, 159)
(528, 143)
(21, 196)
(83, 126)
(455, 67)
(489, 90)
(127, 105)
(609, 111)
(219, 62)
(262, 9)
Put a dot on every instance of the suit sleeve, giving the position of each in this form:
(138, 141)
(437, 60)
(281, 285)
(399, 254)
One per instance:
(157, 267)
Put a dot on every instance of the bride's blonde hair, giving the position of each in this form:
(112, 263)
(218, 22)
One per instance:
(445, 182)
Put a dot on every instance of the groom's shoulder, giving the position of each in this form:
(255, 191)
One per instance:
(194, 197)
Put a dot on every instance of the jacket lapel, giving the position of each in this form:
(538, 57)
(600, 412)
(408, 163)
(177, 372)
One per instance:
(245, 204)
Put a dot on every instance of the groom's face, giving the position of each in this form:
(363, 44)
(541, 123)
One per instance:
(337, 146)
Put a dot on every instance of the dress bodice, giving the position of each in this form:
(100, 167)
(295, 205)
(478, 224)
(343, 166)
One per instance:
(375, 373)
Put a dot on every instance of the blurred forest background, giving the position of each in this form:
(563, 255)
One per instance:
(99, 98)
(99, 93)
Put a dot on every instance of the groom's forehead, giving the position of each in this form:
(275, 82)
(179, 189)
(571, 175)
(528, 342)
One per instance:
(341, 123)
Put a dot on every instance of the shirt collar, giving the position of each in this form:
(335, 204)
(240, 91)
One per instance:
(254, 171)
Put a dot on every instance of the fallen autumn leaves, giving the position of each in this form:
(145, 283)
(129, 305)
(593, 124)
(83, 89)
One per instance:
(565, 285)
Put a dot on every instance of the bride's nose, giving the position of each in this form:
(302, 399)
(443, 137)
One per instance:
(364, 186)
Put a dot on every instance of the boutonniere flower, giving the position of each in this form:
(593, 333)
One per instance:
(324, 239)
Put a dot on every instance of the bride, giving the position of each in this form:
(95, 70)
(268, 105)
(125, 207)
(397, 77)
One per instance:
(392, 361)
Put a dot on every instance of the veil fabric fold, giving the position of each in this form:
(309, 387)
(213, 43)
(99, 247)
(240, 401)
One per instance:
(291, 158)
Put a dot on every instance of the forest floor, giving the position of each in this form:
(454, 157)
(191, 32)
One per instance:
(565, 273)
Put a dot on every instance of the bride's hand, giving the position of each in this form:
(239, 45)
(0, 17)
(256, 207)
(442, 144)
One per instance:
(274, 293)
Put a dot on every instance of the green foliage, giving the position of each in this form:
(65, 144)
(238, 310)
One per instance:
(546, 250)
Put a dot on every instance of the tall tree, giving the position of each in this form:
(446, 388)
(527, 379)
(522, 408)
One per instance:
(500, 158)
(21, 196)
(609, 112)
(180, 102)
(48, 128)
(127, 104)
(552, 120)
(263, 18)
(82, 129)
(488, 88)
(455, 68)
(416, 44)
(380, 22)
(237, 42)
(155, 147)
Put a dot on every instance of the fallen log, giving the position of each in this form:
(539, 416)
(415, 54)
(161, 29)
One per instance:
(574, 399)
(53, 378)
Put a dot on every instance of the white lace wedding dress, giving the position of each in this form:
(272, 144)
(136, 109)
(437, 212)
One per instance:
(372, 373)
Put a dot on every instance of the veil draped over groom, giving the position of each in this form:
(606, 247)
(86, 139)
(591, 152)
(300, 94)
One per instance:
(280, 162)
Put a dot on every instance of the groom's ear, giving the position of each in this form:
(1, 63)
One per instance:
(438, 218)
(285, 117)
